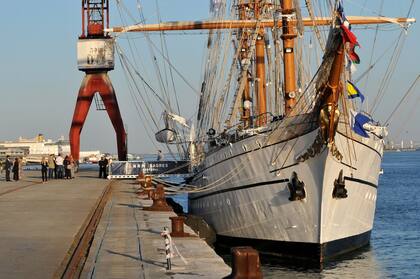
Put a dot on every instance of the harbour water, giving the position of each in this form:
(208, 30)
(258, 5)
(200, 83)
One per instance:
(394, 251)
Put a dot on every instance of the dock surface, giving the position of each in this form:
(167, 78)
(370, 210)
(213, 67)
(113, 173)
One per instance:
(41, 223)
(128, 243)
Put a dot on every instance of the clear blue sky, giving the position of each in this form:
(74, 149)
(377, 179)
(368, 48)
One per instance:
(39, 79)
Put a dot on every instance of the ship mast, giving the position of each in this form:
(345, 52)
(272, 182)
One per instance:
(260, 69)
(246, 99)
(288, 38)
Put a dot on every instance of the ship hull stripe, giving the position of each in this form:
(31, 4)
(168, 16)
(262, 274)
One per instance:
(241, 188)
(361, 181)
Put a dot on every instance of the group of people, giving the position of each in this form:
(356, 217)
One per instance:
(58, 167)
(52, 167)
(14, 166)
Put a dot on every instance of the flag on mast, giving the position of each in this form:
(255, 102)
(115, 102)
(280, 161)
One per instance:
(357, 121)
(348, 35)
(351, 39)
(353, 91)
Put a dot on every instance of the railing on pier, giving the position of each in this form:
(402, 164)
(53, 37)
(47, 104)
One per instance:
(131, 169)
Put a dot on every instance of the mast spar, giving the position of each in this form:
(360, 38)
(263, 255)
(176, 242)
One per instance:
(288, 38)
(260, 68)
(264, 23)
(246, 99)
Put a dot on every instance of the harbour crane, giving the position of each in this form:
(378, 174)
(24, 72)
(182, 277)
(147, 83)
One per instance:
(95, 57)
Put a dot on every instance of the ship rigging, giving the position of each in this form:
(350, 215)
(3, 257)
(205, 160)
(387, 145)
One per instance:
(281, 152)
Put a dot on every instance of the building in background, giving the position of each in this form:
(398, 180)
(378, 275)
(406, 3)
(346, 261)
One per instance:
(33, 149)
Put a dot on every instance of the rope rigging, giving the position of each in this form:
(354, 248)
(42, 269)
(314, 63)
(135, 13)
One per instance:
(224, 82)
(391, 66)
(407, 93)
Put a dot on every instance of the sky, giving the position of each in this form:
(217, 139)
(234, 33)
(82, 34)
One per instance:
(39, 80)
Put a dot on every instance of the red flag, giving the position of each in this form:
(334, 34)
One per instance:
(349, 37)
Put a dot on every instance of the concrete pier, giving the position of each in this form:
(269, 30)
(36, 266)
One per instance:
(128, 244)
(39, 222)
(42, 222)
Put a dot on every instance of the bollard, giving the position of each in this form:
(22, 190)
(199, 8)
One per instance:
(142, 184)
(159, 201)
(245, 263)
(177, 223)
(168, 247)
(148, 181)
(140, 179)
(148, 192)
(146, 186)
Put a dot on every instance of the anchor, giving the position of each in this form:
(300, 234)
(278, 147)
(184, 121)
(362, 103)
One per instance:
(296, 188)
(339, 192)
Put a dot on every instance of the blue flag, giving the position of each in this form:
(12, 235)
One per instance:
(358, 120)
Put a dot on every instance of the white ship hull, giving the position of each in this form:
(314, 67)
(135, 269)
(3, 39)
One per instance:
(247, 201)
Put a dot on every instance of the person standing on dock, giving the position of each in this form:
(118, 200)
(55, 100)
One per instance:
(55, 167)
(106, 167)
(7, 166)
(44, 169)
(66, 164)
(72, 166)
(102, 167)
(51, 166)
(15, 169)
(60, 168)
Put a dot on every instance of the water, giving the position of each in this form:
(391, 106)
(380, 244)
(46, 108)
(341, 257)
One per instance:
(395, 243)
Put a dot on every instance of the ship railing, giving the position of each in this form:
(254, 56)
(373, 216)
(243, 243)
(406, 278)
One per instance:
(238, 131)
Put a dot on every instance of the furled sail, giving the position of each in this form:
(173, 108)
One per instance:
(166, 136)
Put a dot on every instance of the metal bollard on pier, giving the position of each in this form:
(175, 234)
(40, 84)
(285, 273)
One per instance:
(159, 201)
(177, 223)
(245, 264)
(142, 183)
(146, 186)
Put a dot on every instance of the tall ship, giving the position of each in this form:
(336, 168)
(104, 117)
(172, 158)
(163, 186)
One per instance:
(283, 158)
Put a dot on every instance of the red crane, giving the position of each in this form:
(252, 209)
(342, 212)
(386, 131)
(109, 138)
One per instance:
(95, 55)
